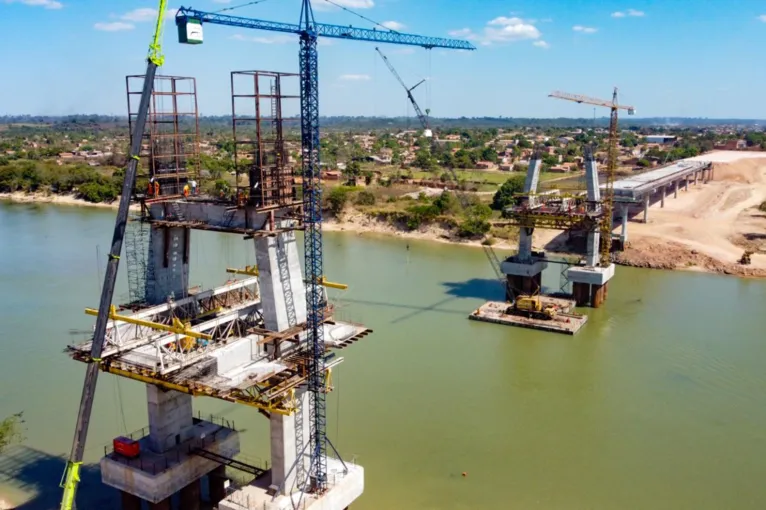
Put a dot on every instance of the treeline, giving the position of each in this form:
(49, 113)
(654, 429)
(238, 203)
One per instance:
(40, 176)
(223, 122)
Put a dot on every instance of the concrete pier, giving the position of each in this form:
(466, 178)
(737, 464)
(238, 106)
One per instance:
(217, 484)
(624, 211)
(590, 284)
(191, 496)
(168, 264)
(129, 501)
(523, 272)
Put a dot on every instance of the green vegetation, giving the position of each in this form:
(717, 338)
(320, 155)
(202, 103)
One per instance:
(338, 197)
(504, 196)
(762, 207)
(11, 431)
(35, 176)
(365, 198)
(475, 223)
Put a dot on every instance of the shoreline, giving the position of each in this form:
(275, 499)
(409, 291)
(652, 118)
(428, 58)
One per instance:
(645, 253)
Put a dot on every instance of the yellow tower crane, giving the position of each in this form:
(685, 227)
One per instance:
(607, 198)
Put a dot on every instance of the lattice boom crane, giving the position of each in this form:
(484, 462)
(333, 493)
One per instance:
(423, 118)
(190, 22)
(607, 199)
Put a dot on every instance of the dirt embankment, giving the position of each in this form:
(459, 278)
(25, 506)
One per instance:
(709, 227)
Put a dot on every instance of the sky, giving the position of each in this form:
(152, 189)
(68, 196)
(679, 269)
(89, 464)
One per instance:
(669, 58)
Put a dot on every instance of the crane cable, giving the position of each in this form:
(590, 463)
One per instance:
(360, 15)
(225, 9)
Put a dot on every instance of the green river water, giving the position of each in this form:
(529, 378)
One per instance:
(658, 403)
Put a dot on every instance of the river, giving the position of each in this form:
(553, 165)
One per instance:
(658, 403)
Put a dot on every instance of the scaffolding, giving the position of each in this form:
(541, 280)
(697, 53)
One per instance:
(170, 148)
(264, 136)
(137, 242)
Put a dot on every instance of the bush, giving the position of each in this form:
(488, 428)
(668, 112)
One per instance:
(476, 223)
(446, 202)
(98, 192)
(762, 207)
(420, 214)
(337, 199)
(365, 198)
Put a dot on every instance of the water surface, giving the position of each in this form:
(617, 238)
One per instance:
(659, 402)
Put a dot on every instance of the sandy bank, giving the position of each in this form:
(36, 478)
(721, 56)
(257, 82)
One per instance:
(43, 198)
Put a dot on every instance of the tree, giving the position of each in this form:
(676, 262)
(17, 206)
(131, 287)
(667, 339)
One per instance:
(423, 159)
(352, 171)
(489, 154)
(10, 431)
(337, 199)
(504, 196)
(475, 223)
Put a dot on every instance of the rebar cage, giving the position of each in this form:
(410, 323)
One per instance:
(266, 131)
(171, 146)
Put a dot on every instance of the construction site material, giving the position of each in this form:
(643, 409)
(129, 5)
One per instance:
(563, 321)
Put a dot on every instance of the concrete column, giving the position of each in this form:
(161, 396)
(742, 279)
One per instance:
(129, 501)
(190, 496)
(525, 244)
(581, 293)
(675, 189)
(624, 224)
(597, 295)
(283, 292)
(592, 255)
(646, 208)
(162, 505)
(284, 447)
(168, 264)
(662, 196)
(170, 418)
(696, 177)
(216, 481)
(686, 183)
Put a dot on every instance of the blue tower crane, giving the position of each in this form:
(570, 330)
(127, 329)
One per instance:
(190, 22)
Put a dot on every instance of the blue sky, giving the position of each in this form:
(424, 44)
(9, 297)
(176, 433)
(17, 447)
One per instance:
(669, 58)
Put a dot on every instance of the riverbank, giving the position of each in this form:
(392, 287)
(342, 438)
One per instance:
(50, 198)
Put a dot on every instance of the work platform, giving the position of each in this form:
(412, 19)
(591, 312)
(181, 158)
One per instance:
(566, 321)
(345, 484)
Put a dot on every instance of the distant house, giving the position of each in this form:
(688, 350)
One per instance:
(662, 139)
(485, 165)
(506, 167)
(560, 169)
(331, 175)
(731, 145)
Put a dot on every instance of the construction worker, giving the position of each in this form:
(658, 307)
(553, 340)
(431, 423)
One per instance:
(186, 190)
(193, 187)
(150, 188)
(156, 189)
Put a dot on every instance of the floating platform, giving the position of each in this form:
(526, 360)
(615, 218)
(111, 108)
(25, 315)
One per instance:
(565, 322)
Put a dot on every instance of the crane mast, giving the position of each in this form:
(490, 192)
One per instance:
(308, 31)
(607, 199)
(71, 478)
(422, 117)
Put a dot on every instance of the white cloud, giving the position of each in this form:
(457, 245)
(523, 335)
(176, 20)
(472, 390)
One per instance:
(354, 77)
(501, 30)
(762, 17)
(265, 39)
(462, 32)
(630, 12)
(115, 26)
(542, 44)
(48, 4)
(584, 30)
(324, 5)
(393, 25)
(141, 14)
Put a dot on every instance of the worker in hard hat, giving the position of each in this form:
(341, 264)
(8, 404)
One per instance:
(186, 190)
(150, 187)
